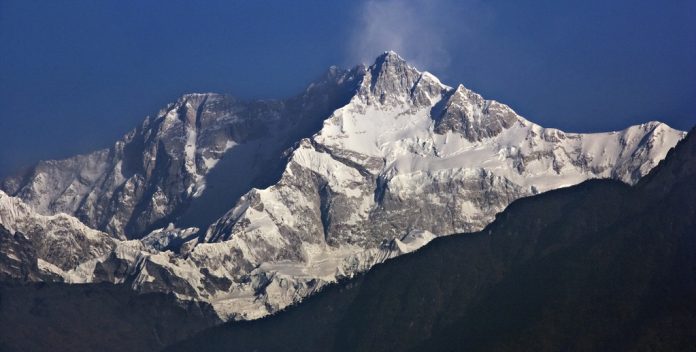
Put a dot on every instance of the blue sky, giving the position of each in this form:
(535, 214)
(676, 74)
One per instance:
(76, 75)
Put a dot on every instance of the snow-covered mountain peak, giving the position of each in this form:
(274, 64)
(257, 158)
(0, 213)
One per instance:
(468, 113)
(390, 59)
(390, 54)
(390, 82)
(363, 165)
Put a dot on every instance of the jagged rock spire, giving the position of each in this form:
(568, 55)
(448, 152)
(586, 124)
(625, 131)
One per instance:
(391, 81)
(466, 112)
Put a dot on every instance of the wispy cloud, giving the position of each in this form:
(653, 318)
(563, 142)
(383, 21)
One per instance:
(419, 30)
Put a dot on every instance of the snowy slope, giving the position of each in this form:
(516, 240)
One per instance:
(383, 159)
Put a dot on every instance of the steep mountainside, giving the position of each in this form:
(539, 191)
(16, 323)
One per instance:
(253, 206)
(56, 242)
(94, 317)
(151, 176)
(597, 266)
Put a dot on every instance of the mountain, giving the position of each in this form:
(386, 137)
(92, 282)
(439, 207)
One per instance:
(154, 173)
(252, 206)
(600, 266)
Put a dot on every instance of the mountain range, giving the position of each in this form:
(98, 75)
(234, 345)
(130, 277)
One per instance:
(600, 266)
(249, 207)
(596, 266)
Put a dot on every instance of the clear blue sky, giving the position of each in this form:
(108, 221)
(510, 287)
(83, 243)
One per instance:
(76, 75)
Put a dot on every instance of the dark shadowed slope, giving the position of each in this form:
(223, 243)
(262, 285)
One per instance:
(94, 317)
(598, 266)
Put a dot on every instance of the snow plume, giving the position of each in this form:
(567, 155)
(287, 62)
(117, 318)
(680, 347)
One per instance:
(417, 30)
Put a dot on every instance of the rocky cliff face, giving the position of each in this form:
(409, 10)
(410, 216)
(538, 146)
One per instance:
(382, 159)
(59, 242)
